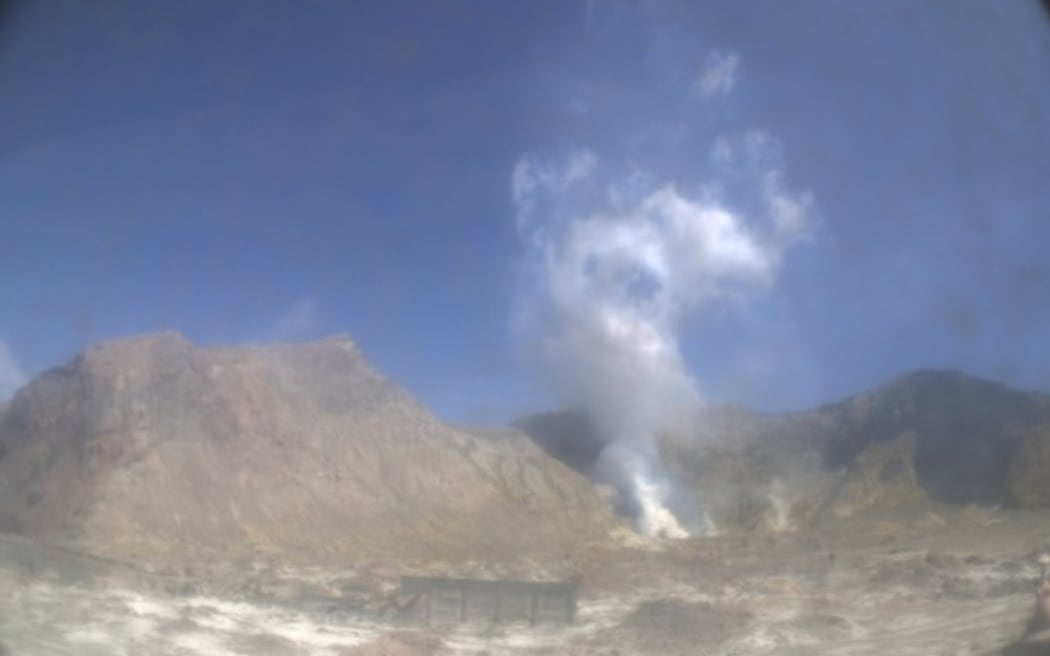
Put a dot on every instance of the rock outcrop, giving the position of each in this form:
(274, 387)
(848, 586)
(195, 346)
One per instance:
(152, 449)
(923, 440)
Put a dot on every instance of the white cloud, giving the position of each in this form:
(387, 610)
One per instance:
(579, 105)
(615, 281)
(625, 242)
(532, 175)
(301, 320)
(722, 152)
(789, 211)
(617, 264)
(581, 165)
(11, 374)
(756, 155)
(533, 180)
(718, 76)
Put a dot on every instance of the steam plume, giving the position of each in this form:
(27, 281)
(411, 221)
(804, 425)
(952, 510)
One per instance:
(615, 262)
(11, 375)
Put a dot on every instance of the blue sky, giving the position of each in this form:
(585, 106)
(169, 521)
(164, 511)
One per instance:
(248, 171)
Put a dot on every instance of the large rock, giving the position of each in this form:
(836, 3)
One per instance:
(930, 437)
(150, 448)
(1029, 476)
(923, 440)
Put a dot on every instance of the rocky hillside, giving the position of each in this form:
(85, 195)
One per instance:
(150, 448)
(924, 440)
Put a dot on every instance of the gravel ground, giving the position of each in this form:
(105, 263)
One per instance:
(965, 588)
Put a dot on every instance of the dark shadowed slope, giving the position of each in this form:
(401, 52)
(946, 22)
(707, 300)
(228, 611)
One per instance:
(929, 437)
(925, 437)
(968, 432)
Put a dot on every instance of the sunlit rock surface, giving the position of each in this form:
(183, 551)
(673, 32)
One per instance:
(162, 498)
(152, 449)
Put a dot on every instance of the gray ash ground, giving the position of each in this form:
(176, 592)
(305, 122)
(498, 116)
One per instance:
(958, 583)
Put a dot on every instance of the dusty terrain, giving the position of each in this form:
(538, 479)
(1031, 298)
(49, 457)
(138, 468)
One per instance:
(959, 582)
(162, 498)
(920, 441)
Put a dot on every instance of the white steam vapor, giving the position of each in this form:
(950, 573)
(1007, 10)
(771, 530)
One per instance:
(718, 75)
(654, 518)
(615, 266)
(300, 320)
(616, 260)
(11, 375)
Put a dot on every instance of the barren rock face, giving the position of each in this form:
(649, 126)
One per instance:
(924, 439)
(153, 448)
(1030, 471)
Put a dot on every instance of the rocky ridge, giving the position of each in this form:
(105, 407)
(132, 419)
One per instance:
(925, 441)
(153, 449)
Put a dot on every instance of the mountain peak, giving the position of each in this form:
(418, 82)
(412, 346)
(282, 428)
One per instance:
(150, 445)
